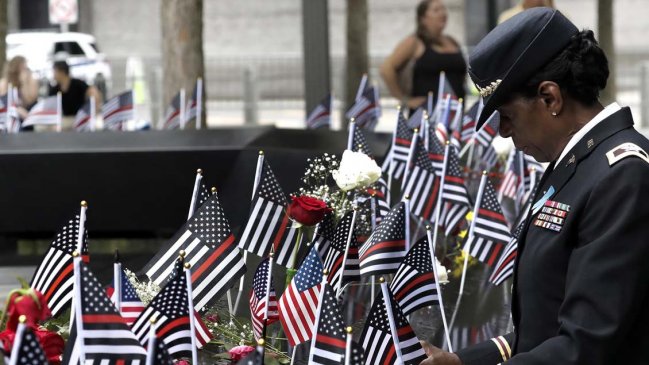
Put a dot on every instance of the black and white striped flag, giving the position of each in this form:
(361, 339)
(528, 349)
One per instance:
(341, 260)
(422, 184)
(387, 337)
(414, 284)
(99, 335)
(209, 247)
(54, 276)
(385, 248)
(490, 229)
(268, 224)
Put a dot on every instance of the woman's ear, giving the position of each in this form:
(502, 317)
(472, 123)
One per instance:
(549, 93)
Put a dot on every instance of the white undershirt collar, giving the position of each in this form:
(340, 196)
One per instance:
(605, 113)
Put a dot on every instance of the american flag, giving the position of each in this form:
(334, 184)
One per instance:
(157, 352)
(456, 125)
(193, 105)
(469, 121)
(414, 284)
(341, 261)
(54, 276)
(118, 110)
(490, 230)
(358, 140)
(504, 268)
(454, 193)
(320, 116)
(170, 309)
(398, 156)
(130, 304)
(46, 112)
(488, 157)
(382, 346)
(98, 333)
(435, 149)
(299, 303)
(84, 118)
(422, 185)
(383, 251)
(210, 248)
(328, 346)
(28, 349)
(263, 300)
(447, 102)
(366, 110)
(324, 234)
(173, 116)
(268, 223)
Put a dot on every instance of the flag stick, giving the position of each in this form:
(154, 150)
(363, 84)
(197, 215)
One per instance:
(431, 247)
(182, 116)
(151, 345)
(260, 165)
(20, 331)
(293, 355)
(134, 109)
(350, 137)
(76, 305)
(59, 111)
(476, 208)
(393, 324)
(521, 164)
(323, 284)
(117, 283)
(93, 114)
(349, 240)
(348, 346)
(195, 192)
(438, 205)
(406, 201)
(411, 154)
(270, 276)
(190, 307)
(199, 102)
(82, 226)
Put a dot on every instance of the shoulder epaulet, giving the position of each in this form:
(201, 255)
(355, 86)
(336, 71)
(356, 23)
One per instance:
(625, 150)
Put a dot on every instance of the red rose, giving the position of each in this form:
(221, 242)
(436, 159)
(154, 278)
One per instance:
(30, 303)
(52, 343)
(307, 210)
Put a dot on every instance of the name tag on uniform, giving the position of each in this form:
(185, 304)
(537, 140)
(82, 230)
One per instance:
(552, 215)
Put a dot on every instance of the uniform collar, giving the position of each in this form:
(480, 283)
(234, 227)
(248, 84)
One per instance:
(605, 113)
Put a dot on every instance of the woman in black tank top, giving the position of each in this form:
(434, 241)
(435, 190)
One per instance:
(413, 69)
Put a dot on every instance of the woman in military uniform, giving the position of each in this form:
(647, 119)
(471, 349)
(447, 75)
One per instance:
(581, 280)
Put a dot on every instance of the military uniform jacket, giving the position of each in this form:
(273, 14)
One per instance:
(581, 278)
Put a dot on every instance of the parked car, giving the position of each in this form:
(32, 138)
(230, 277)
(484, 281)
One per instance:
(80, 50)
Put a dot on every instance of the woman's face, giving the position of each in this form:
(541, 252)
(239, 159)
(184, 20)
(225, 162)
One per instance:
(434, 20)
(532, 129)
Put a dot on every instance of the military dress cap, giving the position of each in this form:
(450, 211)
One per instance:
(513, 51)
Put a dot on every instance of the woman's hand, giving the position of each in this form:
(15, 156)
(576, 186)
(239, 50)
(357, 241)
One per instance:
(437, 356)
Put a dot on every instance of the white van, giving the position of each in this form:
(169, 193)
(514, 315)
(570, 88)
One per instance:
(80, 50)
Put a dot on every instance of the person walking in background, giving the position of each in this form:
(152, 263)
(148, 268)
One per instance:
(19, 76)
(74, 92)
(413, 68)
(523, 5)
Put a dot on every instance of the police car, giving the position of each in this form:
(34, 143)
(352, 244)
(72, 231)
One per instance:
(80, 50)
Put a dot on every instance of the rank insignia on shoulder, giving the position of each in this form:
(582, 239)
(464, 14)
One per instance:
(626, 150)
(553, 215)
